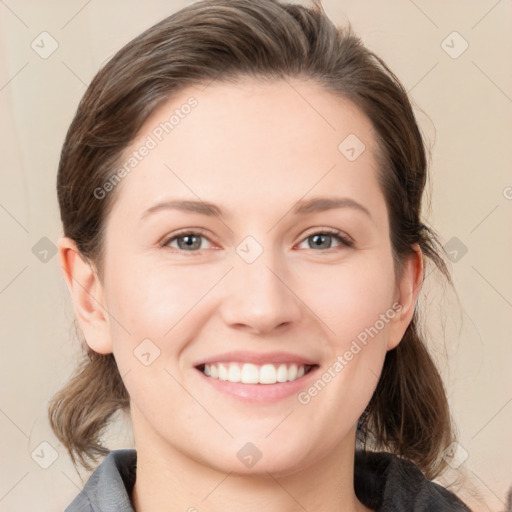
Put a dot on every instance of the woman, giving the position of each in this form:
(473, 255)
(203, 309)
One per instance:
(241, 194)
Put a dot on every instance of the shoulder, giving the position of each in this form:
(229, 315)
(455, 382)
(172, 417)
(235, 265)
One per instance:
(109, 487)
(384, 482)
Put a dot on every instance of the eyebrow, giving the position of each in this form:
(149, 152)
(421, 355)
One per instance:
(201, 207)
(320, 204)
(302, 207)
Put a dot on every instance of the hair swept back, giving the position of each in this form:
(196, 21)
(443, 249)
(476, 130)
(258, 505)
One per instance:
(223, 40)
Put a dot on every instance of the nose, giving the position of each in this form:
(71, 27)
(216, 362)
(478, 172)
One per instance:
(259, 299)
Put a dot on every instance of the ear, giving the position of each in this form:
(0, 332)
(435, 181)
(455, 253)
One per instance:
(408, 288)
(87, 294)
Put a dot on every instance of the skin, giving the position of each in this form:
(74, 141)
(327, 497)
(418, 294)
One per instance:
(253, 149)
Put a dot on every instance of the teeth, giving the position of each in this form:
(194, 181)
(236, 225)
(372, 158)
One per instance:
(234, 374)
(268, 374)
(248, 373)
(223, 372)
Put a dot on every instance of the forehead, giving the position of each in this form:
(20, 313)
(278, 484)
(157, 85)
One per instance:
(226, 141)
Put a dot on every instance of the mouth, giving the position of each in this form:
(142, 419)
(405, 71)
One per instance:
(250, 373)
(256, 377)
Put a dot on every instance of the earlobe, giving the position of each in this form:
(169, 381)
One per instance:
(87, 295)
(408, 288)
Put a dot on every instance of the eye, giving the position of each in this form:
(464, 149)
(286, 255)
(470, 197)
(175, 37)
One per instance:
(188, 242)
(324, 240)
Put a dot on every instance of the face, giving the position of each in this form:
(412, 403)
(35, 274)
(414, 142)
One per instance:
(249, 278)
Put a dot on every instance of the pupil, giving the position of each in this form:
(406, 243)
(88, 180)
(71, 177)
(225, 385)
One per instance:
(188, 242)
(322, 241)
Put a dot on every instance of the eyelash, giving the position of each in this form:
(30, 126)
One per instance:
(343, 240)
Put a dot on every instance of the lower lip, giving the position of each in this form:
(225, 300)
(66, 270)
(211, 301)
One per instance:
(260, 392)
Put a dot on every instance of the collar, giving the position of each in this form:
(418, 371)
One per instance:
(382, 481)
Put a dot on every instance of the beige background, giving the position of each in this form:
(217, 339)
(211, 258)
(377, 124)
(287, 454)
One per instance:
(466, 107)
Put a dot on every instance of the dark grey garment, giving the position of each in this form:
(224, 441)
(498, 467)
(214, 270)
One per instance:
(386, 483)
(110, 486)
(382, 481)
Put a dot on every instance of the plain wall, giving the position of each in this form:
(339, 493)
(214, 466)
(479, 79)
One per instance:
(466, 115)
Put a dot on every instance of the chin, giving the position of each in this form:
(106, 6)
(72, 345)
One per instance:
(261, 457)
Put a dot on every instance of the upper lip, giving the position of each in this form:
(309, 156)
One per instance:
(255, 358)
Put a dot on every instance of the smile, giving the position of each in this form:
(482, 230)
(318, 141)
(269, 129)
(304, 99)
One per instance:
(248, 373)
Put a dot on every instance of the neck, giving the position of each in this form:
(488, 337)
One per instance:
(168, 480)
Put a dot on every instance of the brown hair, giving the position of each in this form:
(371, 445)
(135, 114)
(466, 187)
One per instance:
(223, 40)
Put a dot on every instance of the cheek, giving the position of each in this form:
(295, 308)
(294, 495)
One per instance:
(154, 313)
(350, 299)
(153, 301)
(356, 346)
(355, 306)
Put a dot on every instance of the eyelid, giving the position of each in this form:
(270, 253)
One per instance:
(344, 238)
(186, 231)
